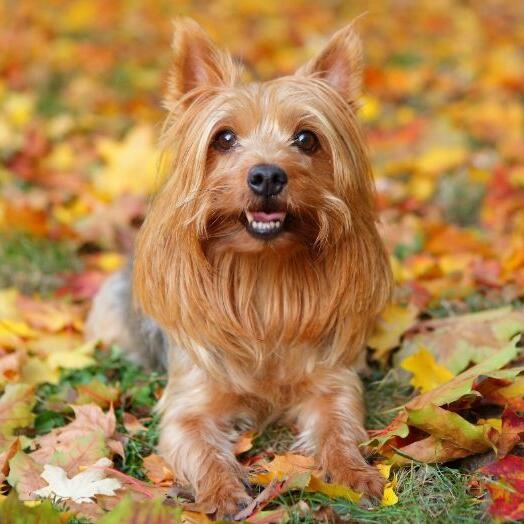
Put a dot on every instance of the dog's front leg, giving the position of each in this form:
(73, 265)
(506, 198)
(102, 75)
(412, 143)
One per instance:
(197, 439)
(330, 417)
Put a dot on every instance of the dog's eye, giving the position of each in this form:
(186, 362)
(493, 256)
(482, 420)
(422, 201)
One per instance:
(224, 140)
(306, 141)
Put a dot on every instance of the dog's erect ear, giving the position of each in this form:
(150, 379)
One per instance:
(197, 62)
(339, 64)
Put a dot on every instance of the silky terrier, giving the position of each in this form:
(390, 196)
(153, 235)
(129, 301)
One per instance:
(258, 272)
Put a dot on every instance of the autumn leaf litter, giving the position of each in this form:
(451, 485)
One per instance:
(444, 117)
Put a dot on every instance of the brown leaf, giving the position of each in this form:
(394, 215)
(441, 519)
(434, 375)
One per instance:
(132, 424)
(24, 475)
(158, 471)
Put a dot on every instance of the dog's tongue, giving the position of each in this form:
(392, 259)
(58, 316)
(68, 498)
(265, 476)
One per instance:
(260, 216)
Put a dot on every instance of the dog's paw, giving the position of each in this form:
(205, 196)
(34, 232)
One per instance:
(359, 476)
(224, 500)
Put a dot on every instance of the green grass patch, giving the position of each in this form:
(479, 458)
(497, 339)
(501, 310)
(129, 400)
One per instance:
(34, 264)
(384, 395)
(427, 494)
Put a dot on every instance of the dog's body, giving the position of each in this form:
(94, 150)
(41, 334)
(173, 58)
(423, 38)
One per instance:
(261, 262)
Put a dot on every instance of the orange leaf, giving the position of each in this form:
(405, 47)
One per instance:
(158, 471)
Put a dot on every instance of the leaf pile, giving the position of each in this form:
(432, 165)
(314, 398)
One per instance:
(80, 102)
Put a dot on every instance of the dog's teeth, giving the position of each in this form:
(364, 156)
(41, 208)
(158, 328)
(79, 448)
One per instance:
(263, 227)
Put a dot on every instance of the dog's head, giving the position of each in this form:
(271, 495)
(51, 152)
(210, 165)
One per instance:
(274, 166)
(263, 234)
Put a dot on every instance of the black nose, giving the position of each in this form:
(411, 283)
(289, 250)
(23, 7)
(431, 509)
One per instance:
(266, 179)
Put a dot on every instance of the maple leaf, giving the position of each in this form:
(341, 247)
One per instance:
(121, 174)
(507, 494)
(427, 374)
(445, 434)
(80, 488)
(83, 441)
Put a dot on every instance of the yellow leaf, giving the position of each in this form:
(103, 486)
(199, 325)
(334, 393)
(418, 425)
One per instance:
(110, 261)
(131, 165)
(422, 186)
(370, 108)
(19, 108)
(62, 157)
(77, 358)
(439, 159)
(384, 469)
(495, 423)
(333, 490)
(513, 390)
(37, 371)
(392, 324)
(390, 497)
(69, 213)
(32, 503)
(13, 331)
(427, 373)
(284, 466)
(8, 307)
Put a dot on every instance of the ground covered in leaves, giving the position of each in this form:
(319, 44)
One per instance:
(80, 91)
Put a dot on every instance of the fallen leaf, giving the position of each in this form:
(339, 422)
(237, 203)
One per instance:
(511, 432)
(392, 324)
(16, 406)
(132, 424)
(82, 487)
(15, 511)
(427, 374)
(457, 341)
(80, 443)
(24, 475)
(145, 512)
(157, 470)
(507, 492)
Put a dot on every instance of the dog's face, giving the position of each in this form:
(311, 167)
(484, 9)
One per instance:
(275, 166)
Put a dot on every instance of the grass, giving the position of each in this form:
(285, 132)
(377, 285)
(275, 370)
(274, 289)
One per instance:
(33, 264)
(427, 494)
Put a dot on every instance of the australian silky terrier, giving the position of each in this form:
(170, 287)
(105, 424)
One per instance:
(258, 272)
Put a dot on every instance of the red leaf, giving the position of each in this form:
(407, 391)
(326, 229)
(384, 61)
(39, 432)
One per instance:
(507, 494)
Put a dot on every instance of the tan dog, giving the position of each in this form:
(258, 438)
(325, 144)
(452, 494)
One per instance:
(259, 266)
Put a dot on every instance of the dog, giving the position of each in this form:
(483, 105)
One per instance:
(258, 272)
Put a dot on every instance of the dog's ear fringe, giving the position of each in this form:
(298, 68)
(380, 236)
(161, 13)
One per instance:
(339, 64)
(197, 62)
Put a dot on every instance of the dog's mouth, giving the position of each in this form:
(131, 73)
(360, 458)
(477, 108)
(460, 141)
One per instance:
(265, 225)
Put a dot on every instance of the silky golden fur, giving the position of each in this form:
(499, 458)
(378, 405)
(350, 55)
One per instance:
(262, 329)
